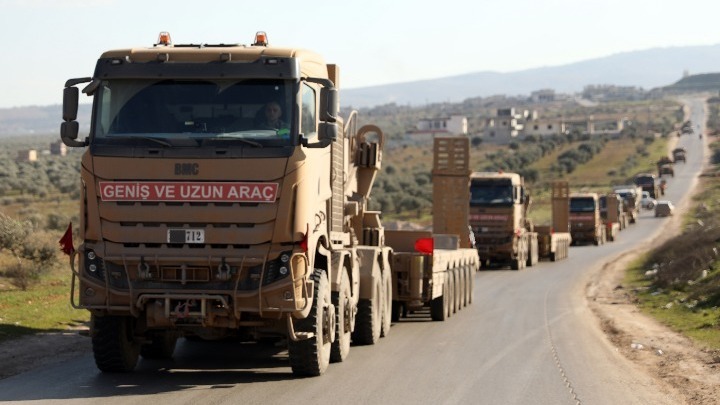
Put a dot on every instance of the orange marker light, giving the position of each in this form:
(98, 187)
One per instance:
(164, 39)
(260, 39)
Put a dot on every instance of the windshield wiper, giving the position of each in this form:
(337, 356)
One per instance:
(231, 138)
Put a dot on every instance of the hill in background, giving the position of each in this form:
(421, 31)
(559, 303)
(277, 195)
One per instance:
(648, 69)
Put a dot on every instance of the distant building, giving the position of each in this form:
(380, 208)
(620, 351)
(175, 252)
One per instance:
(540, 127)
(505, 127)
(27, 155)
(58, 148)
(430, 127)
(543, 96)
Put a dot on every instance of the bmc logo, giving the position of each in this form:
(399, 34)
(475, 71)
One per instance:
(187, 169)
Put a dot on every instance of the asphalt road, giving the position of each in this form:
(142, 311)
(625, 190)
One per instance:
(528, 338)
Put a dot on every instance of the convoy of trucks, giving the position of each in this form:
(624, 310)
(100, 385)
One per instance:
(585, 222)
(202, 217)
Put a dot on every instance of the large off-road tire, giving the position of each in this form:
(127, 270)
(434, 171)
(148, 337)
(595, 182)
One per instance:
(439, 306)
(113, 343)
(387, 300)
(310, 357)
(162, 345)
(343, 317)
(368, 322)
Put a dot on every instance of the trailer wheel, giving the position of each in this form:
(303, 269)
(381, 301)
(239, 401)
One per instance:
(310, 357)
(368, 322)
(439, 306)
(162, 345)
(533, 253)
(343, 317)
(387, 301)
(454, 292)
(396, 311)
(471, 284)
(114, 347)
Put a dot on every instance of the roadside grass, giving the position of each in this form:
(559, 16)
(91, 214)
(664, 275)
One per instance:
(676, 308)
(684, 294)
(45, 307)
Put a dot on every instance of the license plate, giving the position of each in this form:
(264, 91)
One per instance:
(186, 236)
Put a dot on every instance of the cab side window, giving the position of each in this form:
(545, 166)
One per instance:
(308, 124)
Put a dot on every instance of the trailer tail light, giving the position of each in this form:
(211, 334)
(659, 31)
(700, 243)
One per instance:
(424, 245)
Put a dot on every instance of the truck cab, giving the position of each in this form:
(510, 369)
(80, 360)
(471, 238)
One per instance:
(585, 222)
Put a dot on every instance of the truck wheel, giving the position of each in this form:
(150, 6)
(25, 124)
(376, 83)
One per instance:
(114, 346)
(387, 315)
(368, 322)
(310, 357)
(162, 345)
(533, 253)
(439, 306)
(465, 281)
(343, 317)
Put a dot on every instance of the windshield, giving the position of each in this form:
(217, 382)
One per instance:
(482, 193)
(256, 112)
(582, 205)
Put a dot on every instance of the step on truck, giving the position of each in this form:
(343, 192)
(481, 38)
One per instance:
(223, 196)
(504, 235)
(554, 240)
(585, 223)
(435, 270)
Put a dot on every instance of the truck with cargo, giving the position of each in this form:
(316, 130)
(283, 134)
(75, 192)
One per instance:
(665, 166)
(612, 215)
(585, 222)
(679, 154)
(648, 182)
(554, 240)
(631, 195)
(504, 235)
(203, 217)
(436, 269)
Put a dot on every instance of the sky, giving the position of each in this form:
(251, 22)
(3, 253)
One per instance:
(374, 42)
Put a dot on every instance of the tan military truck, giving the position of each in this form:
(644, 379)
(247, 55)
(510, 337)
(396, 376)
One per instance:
(554, 240)
(585, 222)
(679, 154)
(222, 195)
(665, 166)
(648, 182)
(631, 195)
(504, 235)
(612, 215)
(436, 269)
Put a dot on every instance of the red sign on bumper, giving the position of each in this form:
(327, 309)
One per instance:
(188, 191)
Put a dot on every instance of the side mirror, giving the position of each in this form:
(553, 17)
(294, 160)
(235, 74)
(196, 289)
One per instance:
(70, 128)
(329, 104)
(71, 97)
(327, 134)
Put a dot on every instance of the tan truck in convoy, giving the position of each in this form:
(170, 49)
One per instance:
(665, 166)
(554, 240)
(223, 196)
(585, 222)
(436, 269)
(631, 195)
(612, 215)
(679, 154)
(504, 235)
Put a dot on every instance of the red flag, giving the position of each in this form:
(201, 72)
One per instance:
(66, 242)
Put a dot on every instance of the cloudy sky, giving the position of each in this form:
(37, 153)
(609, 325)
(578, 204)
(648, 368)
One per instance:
(374, 41)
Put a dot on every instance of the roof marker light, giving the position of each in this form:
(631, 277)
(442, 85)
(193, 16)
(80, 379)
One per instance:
(260, 39)
(164, 39)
